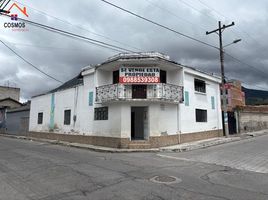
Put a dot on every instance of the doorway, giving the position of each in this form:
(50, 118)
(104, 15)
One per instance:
(232, 123)
(139, 91)
(139, 123)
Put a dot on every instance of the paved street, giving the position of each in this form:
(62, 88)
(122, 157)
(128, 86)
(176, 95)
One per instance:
(249, 155)
(35, 170)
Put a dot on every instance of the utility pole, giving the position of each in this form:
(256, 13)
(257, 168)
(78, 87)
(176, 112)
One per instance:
(223, 81)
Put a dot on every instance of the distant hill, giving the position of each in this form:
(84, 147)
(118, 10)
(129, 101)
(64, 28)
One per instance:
(255, 97)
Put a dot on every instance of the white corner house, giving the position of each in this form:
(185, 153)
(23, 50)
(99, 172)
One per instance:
(132, 100)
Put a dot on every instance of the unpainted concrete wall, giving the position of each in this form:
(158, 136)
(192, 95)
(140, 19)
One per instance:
(17, 122)
(9, 92)
(252, 121)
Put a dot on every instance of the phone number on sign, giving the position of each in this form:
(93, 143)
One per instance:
(140, 79)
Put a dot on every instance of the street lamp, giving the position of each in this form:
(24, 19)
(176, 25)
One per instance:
(235, 41)
(219, 31)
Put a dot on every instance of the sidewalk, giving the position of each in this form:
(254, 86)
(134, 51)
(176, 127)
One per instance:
(175, 148)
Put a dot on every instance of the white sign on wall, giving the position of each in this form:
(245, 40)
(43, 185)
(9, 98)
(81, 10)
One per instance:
(141, 75)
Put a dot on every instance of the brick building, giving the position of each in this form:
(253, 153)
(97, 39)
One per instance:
(235, 95)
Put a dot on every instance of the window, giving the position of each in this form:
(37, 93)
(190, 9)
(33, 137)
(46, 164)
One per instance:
(163, 76)
(101, 113)
(115, 76)
(40, 118)
(67, 117)
(201, 115)
(213, 103)
(90, 98)
(199, 85)
(186, 98)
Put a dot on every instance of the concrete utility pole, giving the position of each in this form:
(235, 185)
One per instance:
(224, 98)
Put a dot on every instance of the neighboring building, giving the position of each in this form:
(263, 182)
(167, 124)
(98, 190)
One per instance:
(140, 100)
(9, 98)
(17, 120)
(6, 104)
(252, 118)
(235, 98)
(235, 95)
(9, 92)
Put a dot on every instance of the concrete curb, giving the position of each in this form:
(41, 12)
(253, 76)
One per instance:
(81, 146)
(177, 148)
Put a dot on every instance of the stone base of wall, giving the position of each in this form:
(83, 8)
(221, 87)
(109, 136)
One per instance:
(162, 141)
(93, 140)
(153, 142)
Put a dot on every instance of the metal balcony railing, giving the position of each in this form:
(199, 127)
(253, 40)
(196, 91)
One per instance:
(156, 92)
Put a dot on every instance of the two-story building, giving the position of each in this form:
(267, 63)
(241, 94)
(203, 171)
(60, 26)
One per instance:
(136, 100)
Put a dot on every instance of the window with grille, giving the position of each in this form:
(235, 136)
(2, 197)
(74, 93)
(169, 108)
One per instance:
(67, 117)
(101, 113)
(201, 115)
(199, 86)
(40, 118)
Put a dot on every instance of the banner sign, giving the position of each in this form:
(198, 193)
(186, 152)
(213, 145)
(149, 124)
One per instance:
(141, 75)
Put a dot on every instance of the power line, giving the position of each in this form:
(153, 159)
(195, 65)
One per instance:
(222, 15)
(73, 35)
(158, 24)
(248, 65)
(189, 5)
(106, 45)
(79, 27)
(173, 14)
(209, 7)
(32, 65)
(42, 47)
(179, 33)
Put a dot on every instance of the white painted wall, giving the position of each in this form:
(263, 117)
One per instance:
(174, 77)
(40, 104)
(162, 119)
(200, 101)
(103, 77)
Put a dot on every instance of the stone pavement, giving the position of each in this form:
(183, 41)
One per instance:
(251, 155)
(174, 148)
(43, 171)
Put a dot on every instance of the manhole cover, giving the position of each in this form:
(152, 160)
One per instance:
(165, 179)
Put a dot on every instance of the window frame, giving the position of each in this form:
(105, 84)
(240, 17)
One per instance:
(197, 89)
(204, 116)
(116, 75)
(101, 113)
(163, 76)
(67, 121)
(40, 119)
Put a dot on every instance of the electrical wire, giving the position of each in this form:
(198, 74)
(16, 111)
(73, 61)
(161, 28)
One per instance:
(160, 25)
(114, 47)
(73, 35)
(222, 15)
(189, 37)
(29, 63)
(79, 27)
(246, 64)
(173, 14)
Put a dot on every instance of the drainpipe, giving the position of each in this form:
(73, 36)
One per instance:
(75, 106)
(179, 122)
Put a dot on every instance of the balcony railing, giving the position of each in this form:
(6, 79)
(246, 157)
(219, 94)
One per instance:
(157, 92)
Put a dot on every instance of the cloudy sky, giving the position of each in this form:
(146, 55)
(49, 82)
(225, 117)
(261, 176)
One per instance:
(63, 57)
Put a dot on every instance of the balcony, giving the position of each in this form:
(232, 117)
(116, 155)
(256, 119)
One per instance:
(166, 93)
